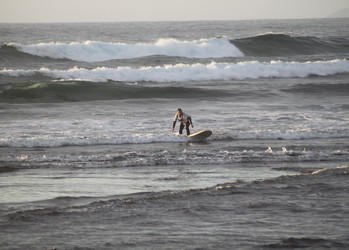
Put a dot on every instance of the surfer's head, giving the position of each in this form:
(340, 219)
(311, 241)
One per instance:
(179, 111)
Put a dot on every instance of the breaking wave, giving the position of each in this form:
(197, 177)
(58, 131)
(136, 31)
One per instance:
(95, 51)
(193, 72)
(269, 44)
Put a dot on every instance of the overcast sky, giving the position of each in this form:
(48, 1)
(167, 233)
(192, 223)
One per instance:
(163, 10)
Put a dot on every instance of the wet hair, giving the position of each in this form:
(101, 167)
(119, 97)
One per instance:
(179, 109)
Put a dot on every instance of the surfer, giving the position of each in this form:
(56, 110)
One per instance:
(184, 119)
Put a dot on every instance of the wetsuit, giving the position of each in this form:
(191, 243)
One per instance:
(185, 120)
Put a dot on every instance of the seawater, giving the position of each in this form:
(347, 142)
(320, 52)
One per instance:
(88, 159)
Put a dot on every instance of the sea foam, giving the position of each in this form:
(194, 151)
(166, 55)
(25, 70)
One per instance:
(95, 51)
(194, 72)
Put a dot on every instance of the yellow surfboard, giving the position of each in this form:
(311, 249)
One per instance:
(203, 134)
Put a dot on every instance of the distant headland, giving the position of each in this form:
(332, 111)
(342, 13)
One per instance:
(340, 13)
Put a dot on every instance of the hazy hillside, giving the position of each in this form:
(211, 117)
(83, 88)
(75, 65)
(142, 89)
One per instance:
(340, 13)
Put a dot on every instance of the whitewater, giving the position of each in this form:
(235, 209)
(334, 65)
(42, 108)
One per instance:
(94, 51)
(88, 159)
(194, 72)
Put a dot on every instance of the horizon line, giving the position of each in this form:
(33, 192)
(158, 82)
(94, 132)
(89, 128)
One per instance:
(165, 21)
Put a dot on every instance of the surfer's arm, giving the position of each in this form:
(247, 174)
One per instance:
(174, 124)
(174, 121)
(190, 122)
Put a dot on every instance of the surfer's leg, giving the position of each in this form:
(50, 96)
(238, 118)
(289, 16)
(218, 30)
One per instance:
(181, 127)
(187, 127)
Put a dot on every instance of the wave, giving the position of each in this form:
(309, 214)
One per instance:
(193, 72)
(82, 91)
(269, 44)
(272, 44)
(316, 204)
(340, 89)
(152, 158)
(311, 243)
(84, 136)
(10, 52)
(96, 51)
(300, 185)
(75, 91)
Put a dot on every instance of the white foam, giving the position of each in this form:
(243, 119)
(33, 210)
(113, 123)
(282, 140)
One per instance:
(94, 51)
(54, 141)
(196, 72)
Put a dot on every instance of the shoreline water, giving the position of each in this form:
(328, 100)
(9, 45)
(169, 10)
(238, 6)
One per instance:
(225, 215)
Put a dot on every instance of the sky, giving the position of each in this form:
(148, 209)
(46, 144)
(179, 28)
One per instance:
(23, 11)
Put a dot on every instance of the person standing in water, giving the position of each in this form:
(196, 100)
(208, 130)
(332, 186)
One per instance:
(184, 119)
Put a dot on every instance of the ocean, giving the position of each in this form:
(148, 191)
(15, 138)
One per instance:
(88, 159)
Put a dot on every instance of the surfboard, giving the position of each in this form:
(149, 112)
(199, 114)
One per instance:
(203, 134)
